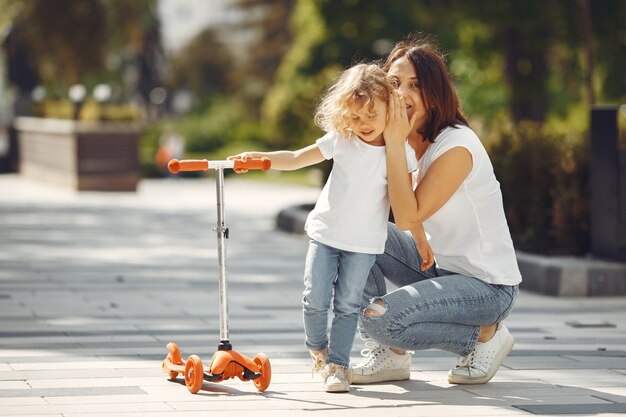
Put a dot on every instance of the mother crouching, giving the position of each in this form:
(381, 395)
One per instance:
(459, 303)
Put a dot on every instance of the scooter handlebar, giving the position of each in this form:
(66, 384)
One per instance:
(253, 163)
(175, 166)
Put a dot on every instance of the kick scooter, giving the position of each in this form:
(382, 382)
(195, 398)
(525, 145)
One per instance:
(225, 363)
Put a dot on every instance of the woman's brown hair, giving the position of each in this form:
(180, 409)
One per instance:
(435, 86)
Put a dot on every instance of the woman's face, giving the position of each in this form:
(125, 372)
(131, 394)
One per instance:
(402, 77)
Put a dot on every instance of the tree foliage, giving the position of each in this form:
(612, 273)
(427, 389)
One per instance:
(266, 24)
(203, 66)
(513, 59)
(76, 40)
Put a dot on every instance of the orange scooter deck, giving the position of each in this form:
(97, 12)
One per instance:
(225, 364)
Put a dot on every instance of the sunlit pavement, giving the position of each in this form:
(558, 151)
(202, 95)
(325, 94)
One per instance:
(94, 285)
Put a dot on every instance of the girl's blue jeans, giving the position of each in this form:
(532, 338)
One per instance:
(430, 309)
(328, 270)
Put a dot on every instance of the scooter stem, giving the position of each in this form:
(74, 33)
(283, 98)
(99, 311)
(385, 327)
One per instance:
(222, 234)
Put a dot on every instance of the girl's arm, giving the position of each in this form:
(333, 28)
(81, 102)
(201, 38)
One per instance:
(286, 160)
(443, 178)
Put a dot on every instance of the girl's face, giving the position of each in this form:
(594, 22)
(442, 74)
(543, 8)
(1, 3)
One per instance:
(368, 123)
(402, 77)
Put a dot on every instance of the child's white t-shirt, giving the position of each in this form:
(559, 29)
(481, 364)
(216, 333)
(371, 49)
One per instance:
(352, 210)
(469, 234)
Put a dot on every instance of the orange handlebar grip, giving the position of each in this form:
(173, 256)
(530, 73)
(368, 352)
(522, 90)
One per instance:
(175, 165)
(254, 163)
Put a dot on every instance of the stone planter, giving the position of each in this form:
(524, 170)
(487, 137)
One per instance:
(86, 156)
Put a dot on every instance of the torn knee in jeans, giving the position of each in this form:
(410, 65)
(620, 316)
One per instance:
(376, 309)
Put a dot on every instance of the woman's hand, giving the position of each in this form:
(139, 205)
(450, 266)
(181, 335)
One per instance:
(398, 124)
(426, 253)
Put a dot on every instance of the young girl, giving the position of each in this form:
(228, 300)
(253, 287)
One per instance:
(348, 226)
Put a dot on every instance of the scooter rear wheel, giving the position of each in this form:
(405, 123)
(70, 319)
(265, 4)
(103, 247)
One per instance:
(171, 374)
(262, 382)
(194, 374)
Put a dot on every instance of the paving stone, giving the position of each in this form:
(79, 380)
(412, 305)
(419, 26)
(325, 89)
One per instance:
(559, 362)
(70, 391)
(13, 385)
(85, 408)
(27, 375)
(574, 409)
(88, 382)
(21, 400)
(93, 364)
(84, 319)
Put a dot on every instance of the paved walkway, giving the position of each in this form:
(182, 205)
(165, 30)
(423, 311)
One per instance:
(94, 285)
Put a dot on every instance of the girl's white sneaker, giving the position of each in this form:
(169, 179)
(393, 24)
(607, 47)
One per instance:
(336, 378)
(319, 359)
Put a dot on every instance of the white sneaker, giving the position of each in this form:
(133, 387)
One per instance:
(335, 378)
(319, 360)
(381, 364)
(482, 363)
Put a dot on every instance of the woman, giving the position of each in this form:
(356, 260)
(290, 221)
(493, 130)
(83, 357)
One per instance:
(458, 304)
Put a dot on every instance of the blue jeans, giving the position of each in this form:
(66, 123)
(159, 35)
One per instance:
(430, 309)
(327, 269)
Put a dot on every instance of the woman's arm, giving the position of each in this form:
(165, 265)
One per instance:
(443, 178)
(287, 160)
(423, 247)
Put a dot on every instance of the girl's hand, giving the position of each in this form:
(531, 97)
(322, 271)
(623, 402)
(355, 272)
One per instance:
(426, 253)
(398, 124)
(243, 157)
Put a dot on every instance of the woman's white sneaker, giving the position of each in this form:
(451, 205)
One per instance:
(482, 363)
(381, 364)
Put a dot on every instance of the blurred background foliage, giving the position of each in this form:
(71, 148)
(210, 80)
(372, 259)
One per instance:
(527, 73)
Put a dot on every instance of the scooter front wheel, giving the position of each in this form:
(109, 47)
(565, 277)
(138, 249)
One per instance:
(194, 374)
(262, 382)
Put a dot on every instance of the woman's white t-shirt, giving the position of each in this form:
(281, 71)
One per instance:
(352, 210)
(469, 234)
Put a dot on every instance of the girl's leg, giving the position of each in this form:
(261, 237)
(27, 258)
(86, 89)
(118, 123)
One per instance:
(399, 263)
(320, 271)
(443, 313)
(353, 272)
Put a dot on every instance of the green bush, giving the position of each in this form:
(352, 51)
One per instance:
(220, 130)
(90, 111)
(544, 178)
(212, 128)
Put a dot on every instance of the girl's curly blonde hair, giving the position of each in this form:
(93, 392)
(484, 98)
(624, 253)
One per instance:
(359, 85)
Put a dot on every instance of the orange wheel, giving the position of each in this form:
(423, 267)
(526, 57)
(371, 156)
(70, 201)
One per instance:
(174, 354)
(172, 374)
(194, 375)
(262, 382)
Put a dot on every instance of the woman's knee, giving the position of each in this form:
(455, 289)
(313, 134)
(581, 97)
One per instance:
(375, 320)
(376, 308)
